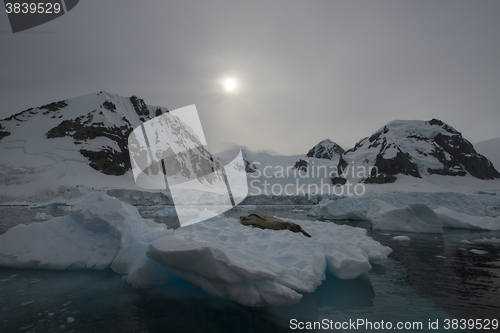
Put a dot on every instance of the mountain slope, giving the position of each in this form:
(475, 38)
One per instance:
(66, 148)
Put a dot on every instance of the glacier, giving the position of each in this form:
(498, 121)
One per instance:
(247, 265)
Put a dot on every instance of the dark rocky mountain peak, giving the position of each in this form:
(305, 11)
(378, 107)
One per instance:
(326, 149)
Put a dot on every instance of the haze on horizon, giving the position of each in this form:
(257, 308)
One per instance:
(301, 71)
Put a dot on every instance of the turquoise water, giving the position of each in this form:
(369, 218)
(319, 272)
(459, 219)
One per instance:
(429, 278)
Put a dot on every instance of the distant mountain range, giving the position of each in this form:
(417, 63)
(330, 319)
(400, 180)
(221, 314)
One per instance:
(48, 150)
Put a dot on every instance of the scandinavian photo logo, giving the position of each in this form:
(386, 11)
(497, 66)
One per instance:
(27, 14)
(168, 153)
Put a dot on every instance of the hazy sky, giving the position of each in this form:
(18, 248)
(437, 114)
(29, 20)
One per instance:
(305, 70)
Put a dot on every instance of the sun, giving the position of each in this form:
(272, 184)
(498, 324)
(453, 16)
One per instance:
(230, 84)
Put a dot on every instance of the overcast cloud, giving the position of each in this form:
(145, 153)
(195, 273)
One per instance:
(307, 70)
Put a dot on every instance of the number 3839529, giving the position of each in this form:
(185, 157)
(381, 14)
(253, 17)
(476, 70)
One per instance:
(32, 8)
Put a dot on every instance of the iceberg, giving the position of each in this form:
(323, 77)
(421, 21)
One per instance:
(416, 217)
(256, 267)
(99, 233)
(356, 207)
(247, 265)
(415, 211)
(452, 219)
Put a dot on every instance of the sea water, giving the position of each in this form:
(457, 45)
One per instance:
(431, 279)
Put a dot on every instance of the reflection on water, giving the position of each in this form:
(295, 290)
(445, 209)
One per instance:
(443, 269)
(429, 277)
(99, 301)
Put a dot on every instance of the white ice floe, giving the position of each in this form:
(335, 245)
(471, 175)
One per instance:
(401, 238)
(244, 264)
(256, 267)
(484, 240)
(452, 219)
(101, 232)
(413, 211)
(416, 217)
(356, 207)
(167, 212)
(476, 251)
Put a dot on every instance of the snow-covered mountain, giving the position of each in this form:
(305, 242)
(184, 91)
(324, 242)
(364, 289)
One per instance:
(414, 148)
(490, 149)
(66, 148)
(59, 148)
(326, 149)
(95, 126)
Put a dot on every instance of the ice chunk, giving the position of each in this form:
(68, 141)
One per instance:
(103, 213)
(492, 240)
(350, 208)
(60, 243)
(356, 208)
(257, 267)
(476, 251)
(174, 212)
(401, 238)
(452, 219)
(98, 229)
(167, 212)
(416, 217)
(42, 217)
(488, 199)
